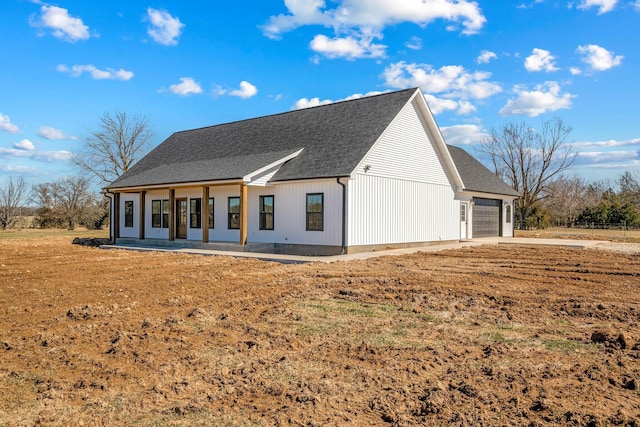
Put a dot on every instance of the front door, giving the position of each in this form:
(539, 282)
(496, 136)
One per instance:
(181, 218)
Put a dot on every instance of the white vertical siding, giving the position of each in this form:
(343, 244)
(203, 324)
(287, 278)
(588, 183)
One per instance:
(406, 151)
(220, 231)
(290, 213)
(387, 211)
(131, 232)
(151, 232)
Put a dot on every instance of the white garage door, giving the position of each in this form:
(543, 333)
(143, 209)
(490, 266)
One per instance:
(486, 217)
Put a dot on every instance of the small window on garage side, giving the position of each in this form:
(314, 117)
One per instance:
(128, 213)
(508, 214)
(234, 213)
(463, 213)
(315, 212)
(195, 212)
(266, 212)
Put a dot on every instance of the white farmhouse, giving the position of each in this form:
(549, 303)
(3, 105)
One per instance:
(357, 175)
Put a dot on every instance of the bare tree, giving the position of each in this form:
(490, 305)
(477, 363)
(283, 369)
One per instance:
(63, 202)
(529, 160)
(71, 196)
(566, 198)
(110, 150)
(12, 198)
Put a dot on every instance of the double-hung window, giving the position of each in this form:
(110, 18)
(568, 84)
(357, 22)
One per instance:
(195, 213)
(315, 211)
(160, 213)
(234, 213)
(266, 212)
(128, 213)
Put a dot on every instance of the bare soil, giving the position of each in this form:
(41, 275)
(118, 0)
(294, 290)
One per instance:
(489, 335)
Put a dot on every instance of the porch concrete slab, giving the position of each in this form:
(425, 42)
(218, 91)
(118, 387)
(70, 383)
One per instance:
(299, 259)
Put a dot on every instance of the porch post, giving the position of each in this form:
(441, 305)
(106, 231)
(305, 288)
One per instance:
(142, 213)
(243, 214)
(172, 214)
(205, 214)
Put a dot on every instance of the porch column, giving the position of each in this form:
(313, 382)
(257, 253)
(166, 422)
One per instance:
(205, 214)
(116, 216)
(243, 214)
(172, 214)
(142, 213)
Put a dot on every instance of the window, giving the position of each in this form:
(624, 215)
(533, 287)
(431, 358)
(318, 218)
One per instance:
(508, 214)
(463, 213)
(165, 214)
(234, 213)
(160, 213)
(156, 214)
(195, 213)
(211, 212)
(266, 212)
(128, 213)
(315, 212)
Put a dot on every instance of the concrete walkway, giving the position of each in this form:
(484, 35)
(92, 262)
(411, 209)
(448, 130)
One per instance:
(298, 259)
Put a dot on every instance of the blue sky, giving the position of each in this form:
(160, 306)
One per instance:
(191, 64)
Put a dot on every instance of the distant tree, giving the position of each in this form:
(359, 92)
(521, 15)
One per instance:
(111, 149)
(566, 199)
(13, 196)
(529, 160)
(629, 184)
(68, 202)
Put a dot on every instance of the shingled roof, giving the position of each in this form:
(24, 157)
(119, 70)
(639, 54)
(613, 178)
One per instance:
(334, 138)
(475, 176)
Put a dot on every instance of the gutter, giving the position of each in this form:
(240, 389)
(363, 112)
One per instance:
(344, 215)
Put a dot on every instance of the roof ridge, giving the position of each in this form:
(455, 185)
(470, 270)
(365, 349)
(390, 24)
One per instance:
(299, 109)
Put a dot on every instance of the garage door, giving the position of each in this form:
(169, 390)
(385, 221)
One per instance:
(486, 217)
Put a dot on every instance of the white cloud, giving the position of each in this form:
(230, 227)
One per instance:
(545, 97)
(45, 156)
(187, 86)
(464, 134)
(540, 60)
(163, 28)
(96, 73)
(603, 5)
(6, 125)
(453, 81)
(486, 56)
(314, 102)
(24, 144)
(49, 132)
(414, 43)
(599, 58)
(575, 71)
(350, 47)
(63, 25)
(375, 14)
(610, 143)
(308, 103)
(247, 90)
(637, 5)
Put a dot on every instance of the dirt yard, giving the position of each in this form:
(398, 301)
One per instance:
(490, 335)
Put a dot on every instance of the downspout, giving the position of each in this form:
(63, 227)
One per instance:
(112, 234)
(344, 215)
